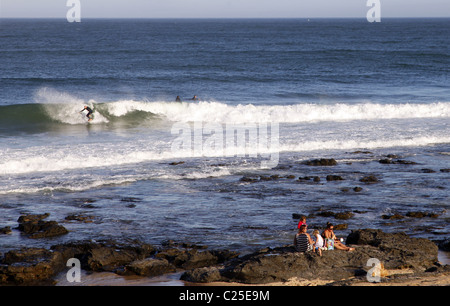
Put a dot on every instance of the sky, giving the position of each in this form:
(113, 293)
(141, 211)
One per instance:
(222, 8)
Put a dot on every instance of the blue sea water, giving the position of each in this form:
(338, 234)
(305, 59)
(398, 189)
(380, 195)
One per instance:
(328, 88)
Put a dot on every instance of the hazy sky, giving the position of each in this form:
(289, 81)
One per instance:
(223, 8)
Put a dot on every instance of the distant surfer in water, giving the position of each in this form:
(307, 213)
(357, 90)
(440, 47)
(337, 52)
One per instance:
(89, 112)
(178, 99)
(195, 98)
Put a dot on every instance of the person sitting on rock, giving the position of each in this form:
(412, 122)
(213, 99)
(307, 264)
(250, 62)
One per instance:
(318, 245)
(302, 221)
(329, 234)
(303, 241)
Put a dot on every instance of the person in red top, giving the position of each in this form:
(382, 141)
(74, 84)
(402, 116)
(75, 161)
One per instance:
(302, 221)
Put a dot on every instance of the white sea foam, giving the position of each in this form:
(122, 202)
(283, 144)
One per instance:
(65, 107)
(220, 112)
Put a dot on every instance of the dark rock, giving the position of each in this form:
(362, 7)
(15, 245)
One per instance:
(398, 250)
(340, 215)
(5, 230)
(405, 162)
(202, 275)
(35, 227)
(321, 162)
(32, 218)
(385, 161)
(304, 178)
(30, 266)
(248, 179)
(444, 245)
(176, 163)
(334, 178)
(340, 227)
(80, 218)
(357, 189)
(397, 161)
(190, 259)
(445, 170)
(428, 171)
(421, 214)
(150, 267)
(316, 179)
(326, 214)
(105, 255)
(392, 217)
(369, 179)
(39, 266)
(392, 156)
(344, 215)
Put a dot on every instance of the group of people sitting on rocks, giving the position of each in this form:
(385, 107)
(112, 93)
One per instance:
(327, 241)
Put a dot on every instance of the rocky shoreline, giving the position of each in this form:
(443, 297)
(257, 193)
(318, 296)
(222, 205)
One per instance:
(402, 257)
(395, 251)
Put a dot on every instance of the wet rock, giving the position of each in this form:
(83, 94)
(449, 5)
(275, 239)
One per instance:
(370, 179)
(392, 156)
(361, 152)
(326, 214)
(421, 214)
(80, 218)
(32, 218)
(339, 215)
(344, 215)
(248, 179)
(357, 189)
(5, 230)
(321, 162)
(334, 178)
(35, 227)
(392, 217)
(396, 161)
(176, 163)
(445, 170)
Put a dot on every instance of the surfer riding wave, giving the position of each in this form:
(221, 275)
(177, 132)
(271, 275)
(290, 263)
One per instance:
(90, 111)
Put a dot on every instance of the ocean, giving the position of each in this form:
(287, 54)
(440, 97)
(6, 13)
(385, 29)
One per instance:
(224, 171)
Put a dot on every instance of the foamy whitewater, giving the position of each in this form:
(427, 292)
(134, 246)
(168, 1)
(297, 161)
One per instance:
(224, 170)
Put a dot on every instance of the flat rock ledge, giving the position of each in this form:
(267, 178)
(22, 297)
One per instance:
(39, 266)
(394, 251)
